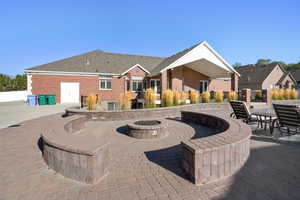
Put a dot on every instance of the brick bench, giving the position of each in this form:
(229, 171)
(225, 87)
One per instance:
(212, 158)
(79, 157)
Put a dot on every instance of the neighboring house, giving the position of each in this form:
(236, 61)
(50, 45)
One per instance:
(270, 76)
(296, 75)
(197, 68)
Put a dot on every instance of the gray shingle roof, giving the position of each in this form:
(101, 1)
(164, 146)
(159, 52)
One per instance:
(254, 74)
(103, 62)
(296, 74)
(100, 62)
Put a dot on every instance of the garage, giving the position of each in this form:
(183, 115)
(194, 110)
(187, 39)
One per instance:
(69, 92)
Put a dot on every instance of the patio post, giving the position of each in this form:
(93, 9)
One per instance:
(266, 95)
(164, 80)
(246, 96)
(234, 82)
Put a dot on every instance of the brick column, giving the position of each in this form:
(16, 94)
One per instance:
(164, 80)
(266, 95)
(246, 95)
(234, 82)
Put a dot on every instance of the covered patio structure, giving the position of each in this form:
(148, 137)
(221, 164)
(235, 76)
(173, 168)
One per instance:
(198, 68)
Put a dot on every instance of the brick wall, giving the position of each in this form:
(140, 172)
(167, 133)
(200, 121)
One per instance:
(221, 155)
(50, 84)
(190, 80)
(218, 84)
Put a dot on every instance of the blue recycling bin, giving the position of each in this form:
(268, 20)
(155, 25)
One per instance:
(31, 100)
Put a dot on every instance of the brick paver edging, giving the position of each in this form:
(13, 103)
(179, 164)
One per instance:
(79, 157)
(215, 157)
(144, 113)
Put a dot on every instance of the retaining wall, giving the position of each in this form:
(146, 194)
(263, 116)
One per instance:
(79, 157)
(145, 113)
(215, 157)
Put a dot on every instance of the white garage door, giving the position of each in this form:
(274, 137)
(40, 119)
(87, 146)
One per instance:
(69, 92)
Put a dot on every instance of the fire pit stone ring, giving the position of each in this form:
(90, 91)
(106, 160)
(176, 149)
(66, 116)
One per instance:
(147, 129)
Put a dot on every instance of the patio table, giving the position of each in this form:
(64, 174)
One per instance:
(265, 117)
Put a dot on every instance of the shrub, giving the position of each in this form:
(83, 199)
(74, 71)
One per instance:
(167, 98)
(219, 96)
(150, 98)
(205, 97)
(274, 94)
(183, 97)
(232, 96)
(280, 94)
(286, 94)
(91, 102)
(125, 100)
(258, 94)
(176, 96)
(194, 97)
(293, 94)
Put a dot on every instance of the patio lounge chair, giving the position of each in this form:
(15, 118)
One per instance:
(241, 111)
(288, 118)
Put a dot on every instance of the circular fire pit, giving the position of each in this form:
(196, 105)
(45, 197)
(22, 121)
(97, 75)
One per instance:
(147, 129)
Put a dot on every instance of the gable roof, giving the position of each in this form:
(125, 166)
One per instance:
(253, 74)
(284, 76)
(197, 52)
(296, 74)
(166, 62)
(99, 62)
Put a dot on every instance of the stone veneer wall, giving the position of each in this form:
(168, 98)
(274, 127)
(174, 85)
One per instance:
(215, 157)
(64, 153)
(145, 113)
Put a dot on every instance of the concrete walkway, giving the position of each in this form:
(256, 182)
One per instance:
(12, 113)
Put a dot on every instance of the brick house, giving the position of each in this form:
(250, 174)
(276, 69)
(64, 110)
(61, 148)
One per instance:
(270, 76)
(198, 68)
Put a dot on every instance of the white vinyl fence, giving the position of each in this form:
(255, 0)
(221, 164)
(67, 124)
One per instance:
(13, 96)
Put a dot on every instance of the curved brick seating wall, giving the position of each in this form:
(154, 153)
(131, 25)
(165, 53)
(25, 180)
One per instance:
(215, 157)
(144, 113)
(79, 157)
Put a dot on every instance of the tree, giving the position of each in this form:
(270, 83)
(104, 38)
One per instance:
(293, 66)
(263, 61)
(282, 64)
(8, 83)
(20, 82)
(237, 64)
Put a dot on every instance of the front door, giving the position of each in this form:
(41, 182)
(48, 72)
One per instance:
(203, 86)
(155, 85)
(69, 92)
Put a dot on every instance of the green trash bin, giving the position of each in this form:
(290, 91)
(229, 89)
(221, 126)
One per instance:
(51, 99)
(42, 100)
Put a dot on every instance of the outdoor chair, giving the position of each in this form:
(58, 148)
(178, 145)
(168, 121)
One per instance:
(241, 111)
(288, 118)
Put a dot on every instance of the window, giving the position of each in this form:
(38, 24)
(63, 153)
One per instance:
(137, 86)
(105, 85)
(155, 85)
(112, 106)
(203, 86)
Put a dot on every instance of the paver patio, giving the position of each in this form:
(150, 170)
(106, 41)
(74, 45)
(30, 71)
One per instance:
(143, 169)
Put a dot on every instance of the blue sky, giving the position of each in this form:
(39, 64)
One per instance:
(38, 32)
